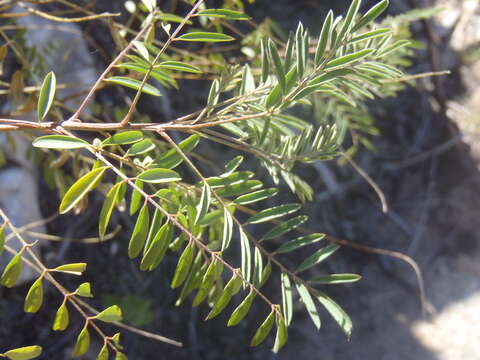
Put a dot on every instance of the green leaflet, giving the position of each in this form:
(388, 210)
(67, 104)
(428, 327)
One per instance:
(83, 343)
(34, 298)
(246, 256)
(24, 353)
(156, 249)
(232, 287)
(214, 271)
(247, 85)
(204, 203)
(323, 39)
(46, 95)
(62, 318)
(134, 84)
(242, 310)
(142, 147)
(239, 188)
(236, 177)
(12, 271)
(335, 279)
(256, 196)
(84, 290)
(257, 268)
(81, 188)
(371, 35)
(263, 330)
(285, 227)
(205, 37)
(155, 226)
(194, 278)
(73, 268)
(110, 314)
(224, 14)
(107, 208)
(299, 242)
(103, 354)
(309, 304)
(282, 333)
(232, 165)
(279, 69)
(342, 319)
(349, 58)
(287, 298)
(265, 62)
(142, 66)
(349, 19)
(329, 76)
(273, 213)
(140, 231)
(183, 266)
(59, 142)
(172, 158)
(274, 97)
(179, 66)
(317, 257)
(371, 14)
(159, 176)
(136, 197)
(227, 229)
(123, 138)
(120, 356)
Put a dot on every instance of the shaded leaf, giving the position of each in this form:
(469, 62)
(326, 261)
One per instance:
(349, 58)
(136, 200)
(285, 227)
(214, 271)
(282, 333)
(103, 354)
(232, 287)
(224, 14)
(2, 240)
(156, 250)
(172, 158)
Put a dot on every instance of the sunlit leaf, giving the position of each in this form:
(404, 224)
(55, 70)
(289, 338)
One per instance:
(371, 14)
(24, 353)
(299, 242)
(309, 304)
(107, 208)
(256, 196)
(140, 232)
(263, 330)
(317, 257)
(227, 229)
(273, 213)
(62, 318)
(285, 227)
(84, 290)
(59, 142)
(136, 200)
(242, 310)
(74, 268)
(205, 37)
(342, 319)
(124, 138)
(287, 298)
(204, 203)
(179, 66)
(12, 271)
(34, 298)
(103, 354)
(246, 256)
(83, 343)
(159, 176)
(141, 147)
(81, 188)
(224, 14)
(282, 333)
(134, 84)
(46, 95)
(110, 314)
(335, 279)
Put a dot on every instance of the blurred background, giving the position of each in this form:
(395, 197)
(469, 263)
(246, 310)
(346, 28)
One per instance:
(425, 160)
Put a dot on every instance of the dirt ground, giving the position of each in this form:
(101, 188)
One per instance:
(427, 166)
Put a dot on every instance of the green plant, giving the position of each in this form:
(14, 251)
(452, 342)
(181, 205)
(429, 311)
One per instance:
(179, 208)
